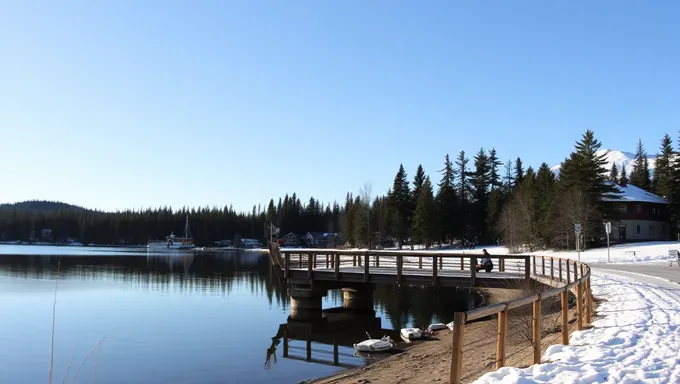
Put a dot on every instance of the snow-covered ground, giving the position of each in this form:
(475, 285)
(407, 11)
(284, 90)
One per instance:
(635, 338)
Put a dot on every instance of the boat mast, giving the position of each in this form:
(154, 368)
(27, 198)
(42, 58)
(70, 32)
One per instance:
(187, 230)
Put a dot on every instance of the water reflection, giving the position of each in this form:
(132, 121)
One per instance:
(221, 335)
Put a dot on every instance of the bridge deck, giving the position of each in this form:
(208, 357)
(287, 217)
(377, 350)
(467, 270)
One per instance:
(389, 267)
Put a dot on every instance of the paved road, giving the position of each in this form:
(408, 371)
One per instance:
(662, 270)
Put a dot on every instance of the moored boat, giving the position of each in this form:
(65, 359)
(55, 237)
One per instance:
(411, 333)
(375, 345)
(174, 242)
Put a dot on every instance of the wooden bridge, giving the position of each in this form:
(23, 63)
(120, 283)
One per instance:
(397, 267)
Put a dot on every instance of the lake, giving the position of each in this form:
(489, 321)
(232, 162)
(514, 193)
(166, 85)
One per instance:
(199, 317)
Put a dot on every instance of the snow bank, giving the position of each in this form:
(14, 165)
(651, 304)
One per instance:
(636, 340)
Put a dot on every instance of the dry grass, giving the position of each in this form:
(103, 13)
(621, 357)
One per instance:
(97, 347)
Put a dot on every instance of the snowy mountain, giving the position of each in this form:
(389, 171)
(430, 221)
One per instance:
(626, 159)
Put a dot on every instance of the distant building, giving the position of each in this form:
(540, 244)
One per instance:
(642, 216)
(290, 240)
(321, 240)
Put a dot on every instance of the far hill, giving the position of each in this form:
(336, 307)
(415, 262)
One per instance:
(42, 206)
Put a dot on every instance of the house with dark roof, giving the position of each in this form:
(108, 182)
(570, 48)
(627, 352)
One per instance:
(641, 216)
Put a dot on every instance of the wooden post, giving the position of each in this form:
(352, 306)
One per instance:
(441, 262)
(457, 349)
(300, 260)
(287, 264)
(285, 335)
(501, 264)
(534, 259)
(559, 262)
(536, 323)
(552, 268)
(366, 256)
(336, 259)
(586, 283)
(420, 262)
(527, 267)
(473, 270)
(377, 261)
(434, 271)
(400, 267)
(327, 261)
(565, 316)
(543, 265)
(568, 274)
(310, 265)
(575, 271)
(354, 260)
(500, 341)
(462, 263)
(579, 306)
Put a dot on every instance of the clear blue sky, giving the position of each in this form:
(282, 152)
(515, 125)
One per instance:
(128, 104)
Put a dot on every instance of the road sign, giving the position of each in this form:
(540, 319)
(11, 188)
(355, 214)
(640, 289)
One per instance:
(608, 227)
(577, 228)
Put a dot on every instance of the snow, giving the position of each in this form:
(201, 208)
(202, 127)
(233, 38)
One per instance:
(635, 340)
(631, 193)
(620, 158)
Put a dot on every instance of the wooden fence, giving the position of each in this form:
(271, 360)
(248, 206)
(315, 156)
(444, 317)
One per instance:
(573, 274)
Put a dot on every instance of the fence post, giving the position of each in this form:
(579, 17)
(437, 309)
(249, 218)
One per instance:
(579, 306)
(537, 330)
(543, 266)
(588, 301)
(377, 261)
(420, 262)
(457, 348)
(565, 316)
(500, 342)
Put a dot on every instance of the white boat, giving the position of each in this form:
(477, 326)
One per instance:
(411, 333)
(375, 345)
(450, 325)
(173, 242)
(437, 326)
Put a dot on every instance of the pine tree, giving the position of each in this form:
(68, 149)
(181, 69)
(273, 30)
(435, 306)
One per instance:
(544, 193)
(614, 173)
(519, 171)
(464, 192)
(640, 177)
(623, 179)
(360, 214)
(418, 180)
(663, 170)
(494, 169)
(480, 185)
(424, 220)
(583, 174)
(400, 202)
(447, 202)
(348, 230)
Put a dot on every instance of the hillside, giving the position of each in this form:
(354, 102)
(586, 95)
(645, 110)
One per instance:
(620, 158)
(42, 206)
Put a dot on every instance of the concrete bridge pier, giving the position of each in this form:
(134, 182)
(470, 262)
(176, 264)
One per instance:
(305, 303)
(358, 299)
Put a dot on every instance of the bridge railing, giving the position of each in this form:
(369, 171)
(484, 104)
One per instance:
(334, 259)
(571, 274)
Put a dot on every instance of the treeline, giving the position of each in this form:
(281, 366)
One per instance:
(479, 199)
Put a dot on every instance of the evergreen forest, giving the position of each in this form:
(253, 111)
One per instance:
(472, 196)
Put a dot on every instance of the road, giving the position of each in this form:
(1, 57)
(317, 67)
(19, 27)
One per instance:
(662, 270)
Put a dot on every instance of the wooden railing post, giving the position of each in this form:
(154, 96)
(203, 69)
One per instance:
(310, 265)
(501, 264)
(564, 296)
(588, 301)
(327, 261)
(434, 271)
(534, 260)
(575, 271)
(500, 342)
(354, 260)
(462, 263)
(420, 262)
(568, 274)
(537, 330)
(527, 267)
(552, 268)
(313, 255)
(377, 260)
(543, 265)
(579, 306)
(473, 269)
(559, 262)
(286, 264)
(457, 348)
(336, 259)
(366, 263)
(400, 268)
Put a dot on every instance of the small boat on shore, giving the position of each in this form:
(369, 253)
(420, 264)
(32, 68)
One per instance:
(411, 333)
(173, 242)
(375, 345)
(437, 326)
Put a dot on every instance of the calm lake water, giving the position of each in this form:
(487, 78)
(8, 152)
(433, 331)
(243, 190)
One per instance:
(184, 317)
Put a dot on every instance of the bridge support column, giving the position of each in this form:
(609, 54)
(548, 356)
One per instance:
(305, 304)
(358, 300)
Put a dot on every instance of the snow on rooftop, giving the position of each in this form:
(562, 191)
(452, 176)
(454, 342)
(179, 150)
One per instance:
(630, 193)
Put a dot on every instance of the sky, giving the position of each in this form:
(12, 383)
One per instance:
(130, 104)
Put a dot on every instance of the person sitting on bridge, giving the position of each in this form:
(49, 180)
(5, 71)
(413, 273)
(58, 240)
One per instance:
(486, 264)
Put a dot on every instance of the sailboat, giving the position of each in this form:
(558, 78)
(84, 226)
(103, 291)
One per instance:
(173, 242)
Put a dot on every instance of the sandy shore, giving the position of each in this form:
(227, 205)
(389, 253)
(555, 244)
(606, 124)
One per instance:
(430, 361)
